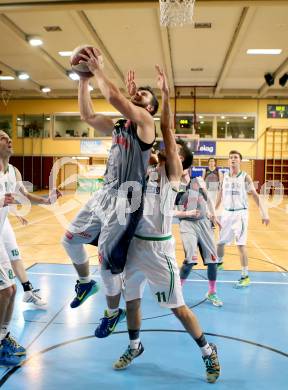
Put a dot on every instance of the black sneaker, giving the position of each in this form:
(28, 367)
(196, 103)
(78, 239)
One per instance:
(212, 365)
(128, 356)
(84, 291)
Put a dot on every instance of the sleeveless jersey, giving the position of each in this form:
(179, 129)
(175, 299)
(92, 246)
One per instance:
(127, 161)
(159, 200)
(7, 185)
(193, 197)
(234, 192)
(212, 179)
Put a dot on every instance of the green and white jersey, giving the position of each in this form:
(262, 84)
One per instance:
(7, 185)
(159, 200)
(234, 192)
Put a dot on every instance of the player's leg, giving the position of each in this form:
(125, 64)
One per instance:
(241, 232)
(244, 281)
(84, 229)
(189, 241)
(164, 280)
(31, 295)
(226, 236)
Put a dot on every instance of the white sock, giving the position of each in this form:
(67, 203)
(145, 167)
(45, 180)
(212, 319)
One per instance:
(206, 350)
(134, 344)
(84, 279)
(244, 271)
(111, 312)
(3, 332)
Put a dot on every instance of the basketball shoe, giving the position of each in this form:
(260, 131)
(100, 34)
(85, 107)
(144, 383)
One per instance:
(32, 296)
(8, 360)
(214, 299)
(212, 365)
(108, 323)
(10, 346)
(84, 291)
(243, 282)
(128, 356)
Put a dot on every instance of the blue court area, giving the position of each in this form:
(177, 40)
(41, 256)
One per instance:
(250, 331)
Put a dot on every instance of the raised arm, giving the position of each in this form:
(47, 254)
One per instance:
(251, 188)
(99, 122)
(173, 162)
(139, 115)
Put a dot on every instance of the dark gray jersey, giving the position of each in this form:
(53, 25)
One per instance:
(128, 157)
(193, 197)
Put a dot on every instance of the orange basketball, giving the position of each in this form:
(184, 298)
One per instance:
(78, 67)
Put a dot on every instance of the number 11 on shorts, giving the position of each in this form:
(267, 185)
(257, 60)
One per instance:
(161, 296)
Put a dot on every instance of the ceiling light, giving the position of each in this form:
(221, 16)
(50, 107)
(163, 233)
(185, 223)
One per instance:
(227, 123)
(18, 119)
(65, 53)
(23, 76)
(48, 118)
(7, 78)
(264, 51)
(202, 122)
(283, 79)
(90, 88)
(73, 76)
(35, 41)
(201, 117)
(244, 117)
(222, 117)
(45, 89)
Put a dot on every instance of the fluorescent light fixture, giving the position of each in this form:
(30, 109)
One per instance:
(73, 76)
(23, 76)
(7, 78)
(48, 118)
(65, 53)
(45, 89)
(80, 158)
(90, 88)
(264, 51)
(35, 41)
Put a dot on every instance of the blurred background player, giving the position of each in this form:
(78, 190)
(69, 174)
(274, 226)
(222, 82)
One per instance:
(234, 219)
(196, 231)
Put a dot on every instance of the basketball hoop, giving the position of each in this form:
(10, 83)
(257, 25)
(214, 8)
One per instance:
(5, 95)
(175, 13)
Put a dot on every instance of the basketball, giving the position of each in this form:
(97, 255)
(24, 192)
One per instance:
(81, 68)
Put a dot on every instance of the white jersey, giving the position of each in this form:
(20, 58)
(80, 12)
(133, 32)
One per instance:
(234, 192)
(159, 203)
(7, 185)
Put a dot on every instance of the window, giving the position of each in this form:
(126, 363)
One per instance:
(184, 125)
(6, 124)
(240, 127)
(33, 126)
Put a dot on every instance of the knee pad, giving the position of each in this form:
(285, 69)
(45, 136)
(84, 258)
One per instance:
(76, 252)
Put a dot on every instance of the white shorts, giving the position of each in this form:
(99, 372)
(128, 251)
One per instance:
(234, 227)
(9, 241)
(153, 262)
(7, 278)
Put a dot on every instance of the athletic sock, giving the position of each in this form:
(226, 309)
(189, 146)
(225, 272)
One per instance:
(111, 312)
(3, 332)
(27, 286)
(244, 273)
(212, 286)
(84, 279)
(204, 346)
(134, 337)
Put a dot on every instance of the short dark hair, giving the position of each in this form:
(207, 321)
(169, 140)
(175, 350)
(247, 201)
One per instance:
(185, 153)
(154, 101)
(236, 152)
(212, 158)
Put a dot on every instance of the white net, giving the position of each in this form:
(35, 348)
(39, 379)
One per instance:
(175, 13)
(5, 96)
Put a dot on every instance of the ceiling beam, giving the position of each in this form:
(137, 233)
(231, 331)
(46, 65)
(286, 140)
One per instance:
(245, 19)
(42, 5)
(83, 19)
(282, 68)
(166, 55)
(24, 37)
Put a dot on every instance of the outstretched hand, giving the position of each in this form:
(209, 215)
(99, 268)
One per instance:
(54, 195)
(93, 58)
(162, 80)
(130, 83)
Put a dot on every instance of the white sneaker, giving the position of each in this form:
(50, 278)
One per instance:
(33, 297)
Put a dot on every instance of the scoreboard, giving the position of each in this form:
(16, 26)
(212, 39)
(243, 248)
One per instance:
(277, 111)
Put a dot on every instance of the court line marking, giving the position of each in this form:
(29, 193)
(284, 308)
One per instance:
(187, 280)
(268, 258)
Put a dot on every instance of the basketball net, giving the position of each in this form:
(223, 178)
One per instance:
(175, 13)
(5, 96)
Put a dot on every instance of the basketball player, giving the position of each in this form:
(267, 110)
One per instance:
(98, 222)
(10, 182)
(212, 177)
(196, 231)
(151, 255)
(234, 219)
